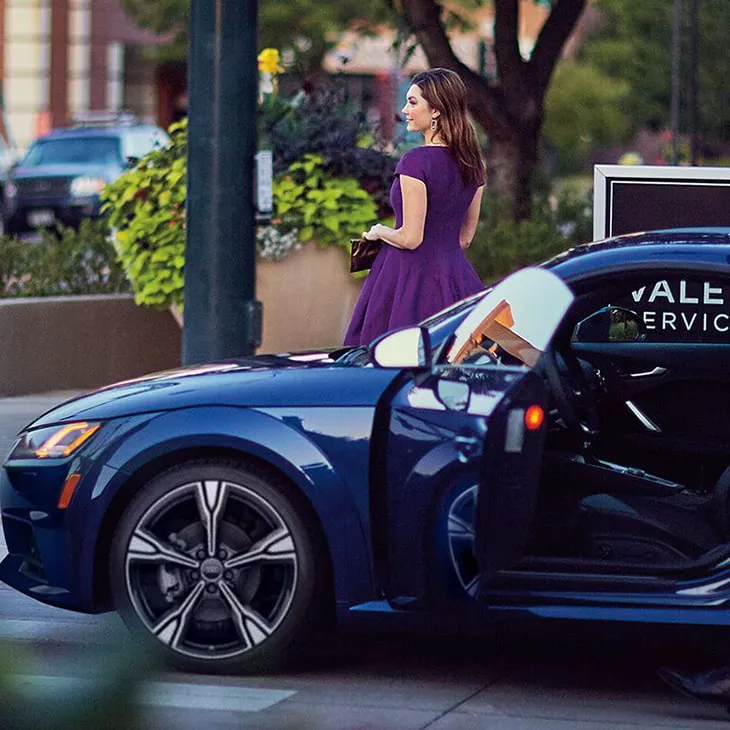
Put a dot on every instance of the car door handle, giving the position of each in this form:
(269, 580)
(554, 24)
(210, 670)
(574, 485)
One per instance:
(656, 372)
(467, 447)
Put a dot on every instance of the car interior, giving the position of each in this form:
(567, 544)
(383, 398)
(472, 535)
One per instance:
(618, 493)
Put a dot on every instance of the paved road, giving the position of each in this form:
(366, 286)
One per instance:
(552, 678)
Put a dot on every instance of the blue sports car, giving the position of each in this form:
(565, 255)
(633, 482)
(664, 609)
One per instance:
(557, 445)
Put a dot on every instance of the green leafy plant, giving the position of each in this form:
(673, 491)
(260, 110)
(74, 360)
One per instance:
(326, 125)
(66, 261)
(324, 208)
(502, 246)
(146, 208)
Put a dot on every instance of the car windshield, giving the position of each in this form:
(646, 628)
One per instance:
(74, 151)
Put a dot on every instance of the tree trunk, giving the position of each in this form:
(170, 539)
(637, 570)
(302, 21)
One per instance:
(510, 111)
(512, 152)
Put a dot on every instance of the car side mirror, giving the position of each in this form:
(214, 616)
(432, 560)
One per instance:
(405, 348)
(453, 394)
(611, 324)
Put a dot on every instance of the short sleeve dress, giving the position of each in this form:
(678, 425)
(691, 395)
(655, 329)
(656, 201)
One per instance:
(406, 286)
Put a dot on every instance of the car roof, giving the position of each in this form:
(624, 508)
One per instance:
(679, 248)
(98, 131)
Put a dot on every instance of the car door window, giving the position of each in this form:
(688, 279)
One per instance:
(669, 308)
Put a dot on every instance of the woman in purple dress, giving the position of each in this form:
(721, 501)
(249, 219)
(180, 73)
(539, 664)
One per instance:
(436, 196)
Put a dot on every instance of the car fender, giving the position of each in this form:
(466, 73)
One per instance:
(248, 432)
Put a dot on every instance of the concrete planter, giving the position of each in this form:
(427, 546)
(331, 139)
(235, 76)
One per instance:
(308, 298)
(81, 342)
(85, 342)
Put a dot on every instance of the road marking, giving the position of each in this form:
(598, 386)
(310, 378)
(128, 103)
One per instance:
(179, 695)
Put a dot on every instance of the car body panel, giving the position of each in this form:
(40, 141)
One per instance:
(392, 514)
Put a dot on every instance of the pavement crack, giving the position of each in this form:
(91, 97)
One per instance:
(456, 705)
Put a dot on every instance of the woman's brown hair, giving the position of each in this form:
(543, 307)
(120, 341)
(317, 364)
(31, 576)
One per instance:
(444, 91)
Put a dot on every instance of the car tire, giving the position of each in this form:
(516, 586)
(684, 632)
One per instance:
(215, 566)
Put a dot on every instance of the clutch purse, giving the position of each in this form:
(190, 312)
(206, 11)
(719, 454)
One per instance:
(363, 253)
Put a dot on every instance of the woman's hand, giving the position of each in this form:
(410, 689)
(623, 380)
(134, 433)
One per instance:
(375, 232)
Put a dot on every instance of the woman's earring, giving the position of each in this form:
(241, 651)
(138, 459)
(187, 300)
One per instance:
(434, 124)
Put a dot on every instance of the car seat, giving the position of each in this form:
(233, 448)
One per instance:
(636, 527)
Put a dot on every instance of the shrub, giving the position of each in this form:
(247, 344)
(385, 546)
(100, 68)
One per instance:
(501, 246)
(63, 262)
(146, 208)
(323, 124)
(327, 209)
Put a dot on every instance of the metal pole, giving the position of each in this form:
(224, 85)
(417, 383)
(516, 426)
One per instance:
(222, 318)
(676, 69)
(693, 105)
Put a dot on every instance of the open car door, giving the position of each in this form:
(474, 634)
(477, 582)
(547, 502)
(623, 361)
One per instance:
(470, 417)
(513, 325)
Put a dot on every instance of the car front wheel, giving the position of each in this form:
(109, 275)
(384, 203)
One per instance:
(214, 564)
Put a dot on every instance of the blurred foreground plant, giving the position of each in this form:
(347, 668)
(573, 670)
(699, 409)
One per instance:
(109, 697)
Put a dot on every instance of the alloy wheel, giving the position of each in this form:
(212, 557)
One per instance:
(211, 569)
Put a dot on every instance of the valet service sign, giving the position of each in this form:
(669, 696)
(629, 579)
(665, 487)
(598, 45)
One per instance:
(632, 199)
(690, 307)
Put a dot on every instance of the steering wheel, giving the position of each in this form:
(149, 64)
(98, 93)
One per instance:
(574, 394)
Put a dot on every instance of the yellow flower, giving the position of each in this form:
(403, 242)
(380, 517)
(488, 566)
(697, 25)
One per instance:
(269, 61)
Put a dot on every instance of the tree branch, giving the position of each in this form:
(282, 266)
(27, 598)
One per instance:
(510, 65)
(485, 102)
(553, 36)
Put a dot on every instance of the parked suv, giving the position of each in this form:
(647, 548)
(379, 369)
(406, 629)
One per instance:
(63, 173)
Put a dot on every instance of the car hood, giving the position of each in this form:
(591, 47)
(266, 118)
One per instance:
(301, 379)
(103, 171)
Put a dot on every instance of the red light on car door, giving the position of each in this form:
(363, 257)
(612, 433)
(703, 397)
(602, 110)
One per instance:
(534, 417)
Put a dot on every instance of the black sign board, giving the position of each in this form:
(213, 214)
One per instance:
(630, 199)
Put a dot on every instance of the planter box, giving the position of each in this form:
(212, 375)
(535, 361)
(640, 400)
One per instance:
(308, 299)
(81, 342)
(85, 342)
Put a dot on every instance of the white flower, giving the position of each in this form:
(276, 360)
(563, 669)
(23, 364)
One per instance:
(274, 245)
(267, 84)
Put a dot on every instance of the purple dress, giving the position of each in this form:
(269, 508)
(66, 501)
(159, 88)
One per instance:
(406, 286)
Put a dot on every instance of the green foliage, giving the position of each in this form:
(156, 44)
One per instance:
(323, 124)
(163, 17)
(583, 108)
(501, 246)
(63, 262)
(635, 47)
(327, 209)
(310, 31)
(146, 208)
(294, 24)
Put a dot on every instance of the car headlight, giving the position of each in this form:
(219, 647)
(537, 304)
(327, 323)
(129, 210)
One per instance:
(85, 187)
(11, 191)
(54, 442)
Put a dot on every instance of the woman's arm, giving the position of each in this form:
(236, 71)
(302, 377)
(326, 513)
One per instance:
(415, 203)
(469, 224)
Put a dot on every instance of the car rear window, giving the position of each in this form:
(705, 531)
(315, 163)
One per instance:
(74, 151)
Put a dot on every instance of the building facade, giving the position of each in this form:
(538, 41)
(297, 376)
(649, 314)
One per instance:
(60, 58)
